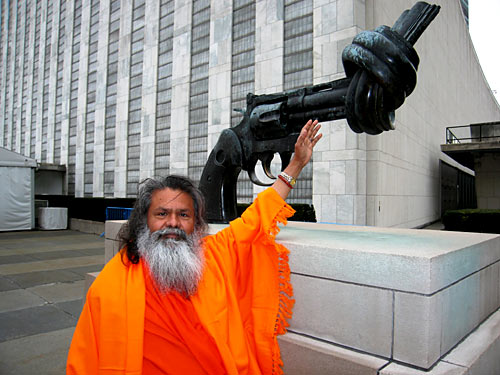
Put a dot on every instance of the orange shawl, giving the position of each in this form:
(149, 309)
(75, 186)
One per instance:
(242, 302)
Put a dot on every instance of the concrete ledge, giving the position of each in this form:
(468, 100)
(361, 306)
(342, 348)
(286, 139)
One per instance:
(302, 355)
(86, 226)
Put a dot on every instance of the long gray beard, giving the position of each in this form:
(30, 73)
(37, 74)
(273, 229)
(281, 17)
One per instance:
(174, 264)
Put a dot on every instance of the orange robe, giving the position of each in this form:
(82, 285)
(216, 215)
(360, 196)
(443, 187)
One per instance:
(230, 325)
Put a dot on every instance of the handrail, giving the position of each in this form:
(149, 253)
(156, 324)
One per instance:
(480, 132)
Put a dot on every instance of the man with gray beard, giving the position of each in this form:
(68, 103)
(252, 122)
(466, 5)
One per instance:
(174, 264)
(178, 301)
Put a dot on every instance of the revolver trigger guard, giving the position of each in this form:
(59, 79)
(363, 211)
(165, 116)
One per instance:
(266, 166)
(267, 171)
(255, 179)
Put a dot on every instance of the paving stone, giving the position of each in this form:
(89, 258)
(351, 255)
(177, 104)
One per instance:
(93, 251)
(34, 320)
(83, 246)
(82, 271)
(52, 264)
(73, 308)
(58, 254)
(10, 259)
(59, 292)
(18, 299)
(29, 279)
(7, 284)
(44, 353)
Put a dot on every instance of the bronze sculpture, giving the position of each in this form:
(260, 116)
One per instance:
(381, 69)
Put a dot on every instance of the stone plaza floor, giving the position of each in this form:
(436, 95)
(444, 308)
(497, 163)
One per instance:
(42, 276)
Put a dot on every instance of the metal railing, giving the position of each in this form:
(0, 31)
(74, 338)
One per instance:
(484, 132)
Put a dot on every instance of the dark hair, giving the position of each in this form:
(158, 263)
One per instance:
(138, 219)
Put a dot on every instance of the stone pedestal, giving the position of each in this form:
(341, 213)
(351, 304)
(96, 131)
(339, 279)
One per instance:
(396, 295)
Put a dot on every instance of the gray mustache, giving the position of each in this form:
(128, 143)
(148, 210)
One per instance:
(176, 231)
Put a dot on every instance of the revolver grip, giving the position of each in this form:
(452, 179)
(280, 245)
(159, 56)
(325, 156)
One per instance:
(219, 178)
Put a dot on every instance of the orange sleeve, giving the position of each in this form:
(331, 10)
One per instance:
(254, 269)
(262, 217)
(257, 225)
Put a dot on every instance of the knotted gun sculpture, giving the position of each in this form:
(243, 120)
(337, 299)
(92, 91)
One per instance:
(381, 69)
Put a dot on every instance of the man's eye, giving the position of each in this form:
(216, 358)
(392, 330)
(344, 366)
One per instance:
(183, 214)
(162, 213)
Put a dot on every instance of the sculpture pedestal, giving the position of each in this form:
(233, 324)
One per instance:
(386, 295)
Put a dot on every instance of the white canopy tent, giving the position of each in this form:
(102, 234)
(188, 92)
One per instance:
(17, 191)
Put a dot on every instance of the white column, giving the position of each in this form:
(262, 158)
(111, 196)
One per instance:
(31, 16)
(339, 168)
(54, 51)
(12, 57)
(269, 46)
(100, 102)
(181, 69)
(149, 89)
(219, 77)
(41, 73)
(122, 97)
(23, 22)
(66, 87)
(3, 91)
(81, 118)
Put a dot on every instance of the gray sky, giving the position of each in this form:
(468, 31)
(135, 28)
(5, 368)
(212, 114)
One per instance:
(484, 17)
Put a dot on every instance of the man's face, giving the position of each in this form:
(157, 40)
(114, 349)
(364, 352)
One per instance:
(171, 209)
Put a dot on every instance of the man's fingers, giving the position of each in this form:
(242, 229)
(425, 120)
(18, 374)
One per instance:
(316, 139)
(309, 132)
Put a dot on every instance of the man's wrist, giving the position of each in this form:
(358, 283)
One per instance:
(287, 179)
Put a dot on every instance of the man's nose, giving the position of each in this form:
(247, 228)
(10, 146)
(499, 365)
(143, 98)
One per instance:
(172, 221)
